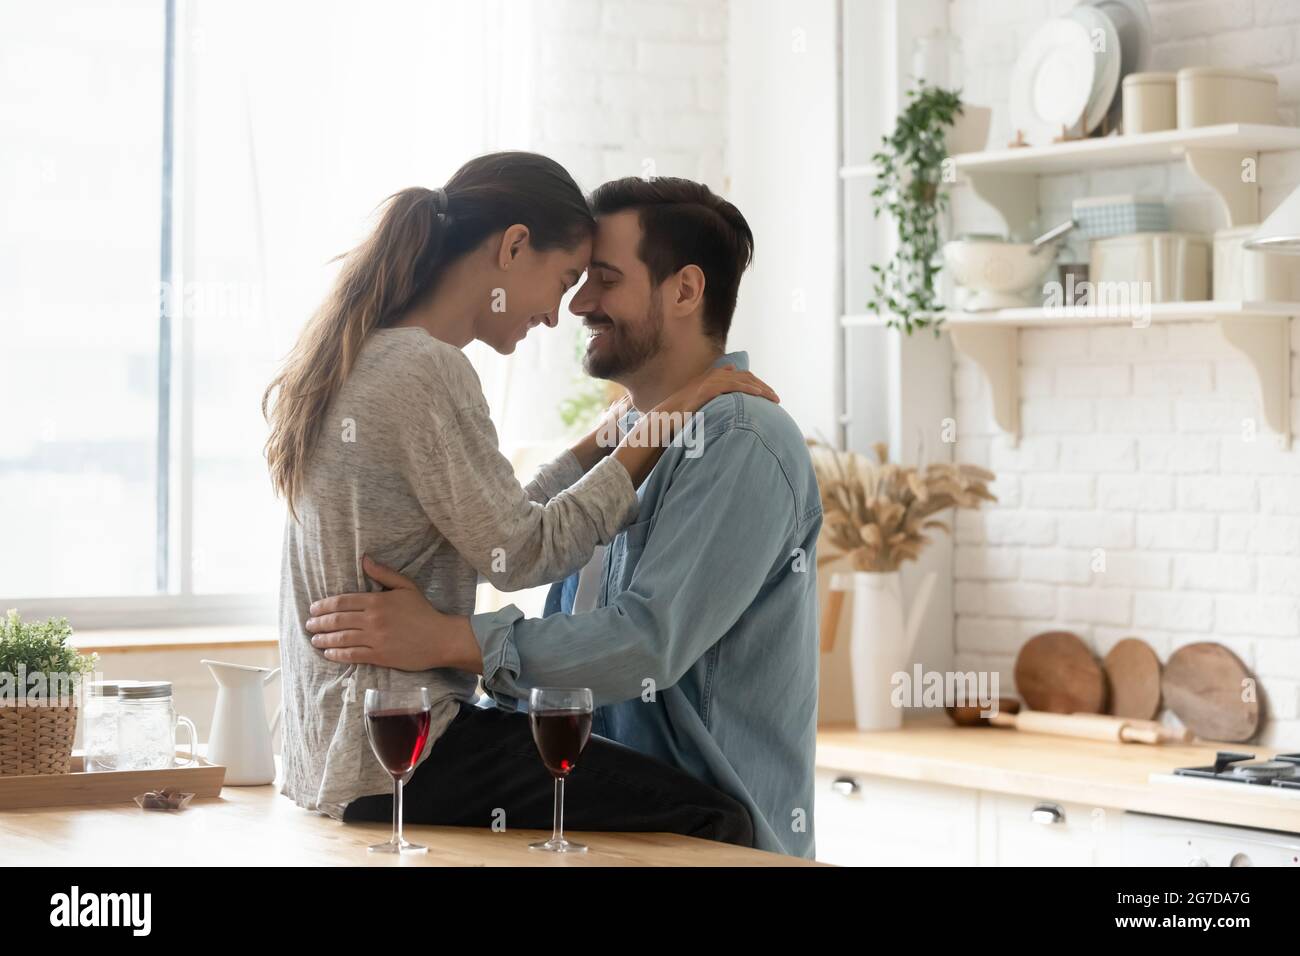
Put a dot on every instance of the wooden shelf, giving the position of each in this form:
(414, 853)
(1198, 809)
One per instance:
(1258, 331)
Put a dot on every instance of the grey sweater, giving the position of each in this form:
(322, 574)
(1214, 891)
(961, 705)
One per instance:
(407, 470)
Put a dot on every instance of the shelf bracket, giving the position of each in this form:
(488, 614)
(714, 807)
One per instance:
(1013, 195)
(1231, 174)
(996, 350)
(1265, 342)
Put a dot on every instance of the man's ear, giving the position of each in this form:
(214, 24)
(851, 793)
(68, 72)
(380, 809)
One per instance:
(690, 290)
(512, 243)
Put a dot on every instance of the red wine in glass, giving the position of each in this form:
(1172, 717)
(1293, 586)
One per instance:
(397, 723)
(398, 737)
(560, 737)
(561, 722)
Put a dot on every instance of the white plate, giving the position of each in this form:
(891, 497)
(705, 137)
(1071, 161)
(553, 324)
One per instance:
(1052, 81)
(1133, 23)
(1106, 46)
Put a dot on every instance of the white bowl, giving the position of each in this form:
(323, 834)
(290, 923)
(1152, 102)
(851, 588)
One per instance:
(998, 275)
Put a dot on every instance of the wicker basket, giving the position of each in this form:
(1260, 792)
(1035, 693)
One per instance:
(36, 737)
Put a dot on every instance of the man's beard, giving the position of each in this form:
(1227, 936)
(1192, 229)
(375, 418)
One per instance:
(630, 347)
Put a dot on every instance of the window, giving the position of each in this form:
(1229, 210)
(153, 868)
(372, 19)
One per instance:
(80, 181)
(121, 499)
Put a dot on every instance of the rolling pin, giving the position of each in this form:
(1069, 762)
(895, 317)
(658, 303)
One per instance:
(1087, 726)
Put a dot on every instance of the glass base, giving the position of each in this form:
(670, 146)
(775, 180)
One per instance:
(559, 846)
(394, 847)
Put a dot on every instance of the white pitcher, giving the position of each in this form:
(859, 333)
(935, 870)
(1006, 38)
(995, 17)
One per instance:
(882, 641)
(240, 739)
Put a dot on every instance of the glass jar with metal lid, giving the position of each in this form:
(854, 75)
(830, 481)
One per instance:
(101, 724)
(146, 727)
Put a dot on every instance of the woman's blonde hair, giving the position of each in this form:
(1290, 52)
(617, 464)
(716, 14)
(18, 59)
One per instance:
(419, 233)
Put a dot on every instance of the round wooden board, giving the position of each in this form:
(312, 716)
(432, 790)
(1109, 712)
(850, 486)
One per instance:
(1056, 672)
(1133, 672)
(1203, 684)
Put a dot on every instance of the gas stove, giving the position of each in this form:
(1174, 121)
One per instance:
(1281, 770)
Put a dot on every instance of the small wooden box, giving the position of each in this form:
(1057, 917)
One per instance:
(203, 779)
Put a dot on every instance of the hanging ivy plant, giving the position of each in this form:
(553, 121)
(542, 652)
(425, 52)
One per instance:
(909, 186)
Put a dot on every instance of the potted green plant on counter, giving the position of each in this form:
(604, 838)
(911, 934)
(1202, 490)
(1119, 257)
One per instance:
(909, 171)
(40, 676)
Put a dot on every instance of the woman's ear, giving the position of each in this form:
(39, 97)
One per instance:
(512, 243)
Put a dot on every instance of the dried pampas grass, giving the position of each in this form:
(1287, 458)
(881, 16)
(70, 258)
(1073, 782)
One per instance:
(878, 513)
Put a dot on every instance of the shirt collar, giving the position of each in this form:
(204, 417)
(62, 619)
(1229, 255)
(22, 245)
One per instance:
(738, 359)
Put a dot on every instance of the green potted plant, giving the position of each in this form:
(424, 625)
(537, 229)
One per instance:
(909, 186)
(40, 676)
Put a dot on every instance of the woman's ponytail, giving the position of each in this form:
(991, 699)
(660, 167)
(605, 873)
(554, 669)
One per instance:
(379, 280)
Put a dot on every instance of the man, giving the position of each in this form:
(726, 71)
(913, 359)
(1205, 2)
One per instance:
(701, 648)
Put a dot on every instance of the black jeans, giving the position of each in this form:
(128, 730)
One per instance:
(486, 762)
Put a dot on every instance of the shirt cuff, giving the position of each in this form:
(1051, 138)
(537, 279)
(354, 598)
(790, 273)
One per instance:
(494, 632)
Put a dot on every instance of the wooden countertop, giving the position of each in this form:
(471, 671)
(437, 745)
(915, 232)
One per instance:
(256, 826)
(1095, 772)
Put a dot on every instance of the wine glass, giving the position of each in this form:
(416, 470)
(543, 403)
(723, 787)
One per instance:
(561, 720)
(397, 723)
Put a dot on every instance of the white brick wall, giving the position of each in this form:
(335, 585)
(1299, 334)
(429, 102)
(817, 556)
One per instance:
(624, 83)
(609, 88)
(1133, 439)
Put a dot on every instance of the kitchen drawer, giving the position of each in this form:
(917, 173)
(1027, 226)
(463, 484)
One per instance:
(1024, 831)
(874, 821)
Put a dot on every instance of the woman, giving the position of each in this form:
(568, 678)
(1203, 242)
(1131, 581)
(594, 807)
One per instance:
(382, 445)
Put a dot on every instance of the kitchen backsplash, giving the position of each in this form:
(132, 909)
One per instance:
(1133, 438)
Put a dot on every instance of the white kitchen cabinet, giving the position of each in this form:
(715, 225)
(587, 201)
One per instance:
(863, 820)
(1023, 831)
(874, 821)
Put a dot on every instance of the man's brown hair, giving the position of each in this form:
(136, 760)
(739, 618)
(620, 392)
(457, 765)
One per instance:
(684, 223)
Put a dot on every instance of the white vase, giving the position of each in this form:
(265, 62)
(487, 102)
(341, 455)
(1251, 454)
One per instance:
(883, 634)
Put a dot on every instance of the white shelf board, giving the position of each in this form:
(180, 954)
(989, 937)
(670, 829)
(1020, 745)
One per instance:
(1133, 150)
(863, 321)
(1087, 315)
(1259, 332)
(1157, 313)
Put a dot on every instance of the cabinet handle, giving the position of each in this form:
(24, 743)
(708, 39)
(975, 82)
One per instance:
(846, 786)
(1047, 814)
(1198, 861)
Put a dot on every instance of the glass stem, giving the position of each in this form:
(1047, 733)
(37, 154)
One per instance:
(557, 831)
(397, 810)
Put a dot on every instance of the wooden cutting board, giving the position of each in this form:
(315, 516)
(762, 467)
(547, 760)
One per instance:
(1133, 673)
(1204, 685)
(1056, 672)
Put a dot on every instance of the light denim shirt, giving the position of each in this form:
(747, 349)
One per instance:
(703, 650)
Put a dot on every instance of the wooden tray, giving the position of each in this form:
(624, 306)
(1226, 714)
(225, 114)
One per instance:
(203, 779)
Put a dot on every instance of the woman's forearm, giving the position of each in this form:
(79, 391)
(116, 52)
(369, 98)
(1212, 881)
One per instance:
(633, 452)
(637, 453)
(589, 450)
